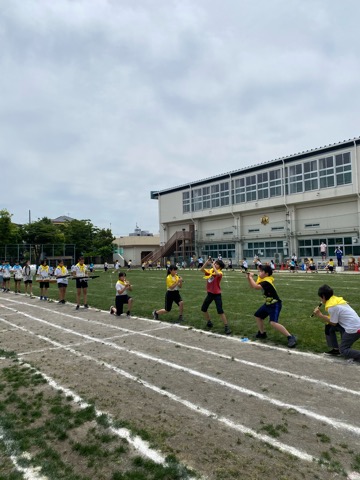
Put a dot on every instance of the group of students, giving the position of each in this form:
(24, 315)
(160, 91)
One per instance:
(340, 317)
(20, 274)
(213, 276)
(44, 272)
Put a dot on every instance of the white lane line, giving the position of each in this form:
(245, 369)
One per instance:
(286, 373)
(245, 391)
(184, 327)
(192, 406)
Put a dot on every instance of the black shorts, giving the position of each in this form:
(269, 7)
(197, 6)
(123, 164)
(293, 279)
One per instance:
(172, 296)
(27, 282)
(62, 285)
(81, 283)
(213, 297)
(44, 284)
(120, 301)
(17, 279)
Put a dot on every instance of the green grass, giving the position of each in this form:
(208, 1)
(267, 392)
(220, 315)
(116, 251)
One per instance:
(297, 291)
(66, 441)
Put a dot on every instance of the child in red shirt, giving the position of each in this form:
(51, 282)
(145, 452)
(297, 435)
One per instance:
(213, 277)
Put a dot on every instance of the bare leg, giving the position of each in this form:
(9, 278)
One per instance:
(280, 328)
(260, 324)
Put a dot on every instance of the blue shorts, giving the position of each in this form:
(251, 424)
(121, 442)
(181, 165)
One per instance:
(271, 310)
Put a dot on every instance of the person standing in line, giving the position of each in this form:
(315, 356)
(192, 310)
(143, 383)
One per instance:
(339, 254)
(61, 273)
(173, 284)
(123, 287)
(6, 269)
(272, 306)
(340, 313)
(43, 272)
(18, 276)
(213, 278)
(28, 278)
(80, 273)
(323, 248)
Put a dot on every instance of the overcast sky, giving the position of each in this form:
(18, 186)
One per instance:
(103, 101)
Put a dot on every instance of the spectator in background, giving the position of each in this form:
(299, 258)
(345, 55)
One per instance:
(323, 248)
(339, 254)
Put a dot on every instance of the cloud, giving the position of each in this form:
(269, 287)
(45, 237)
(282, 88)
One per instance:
(103, 102)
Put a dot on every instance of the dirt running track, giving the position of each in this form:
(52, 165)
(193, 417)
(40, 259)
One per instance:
(226, 408)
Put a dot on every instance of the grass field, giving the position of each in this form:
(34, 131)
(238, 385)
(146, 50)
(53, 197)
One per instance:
(297, 291)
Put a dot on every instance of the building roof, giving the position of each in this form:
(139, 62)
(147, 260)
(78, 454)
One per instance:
(62, 219)
(136, 241)
(278, 161)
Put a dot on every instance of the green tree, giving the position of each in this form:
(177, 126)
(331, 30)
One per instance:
(9, 232)
(102, 243)
(42, 232)
(81, 234)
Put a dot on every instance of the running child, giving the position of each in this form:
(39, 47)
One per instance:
(213, 278)
(173, 284)
(122, 296)
(272, 305)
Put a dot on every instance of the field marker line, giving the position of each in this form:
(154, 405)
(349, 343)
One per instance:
(192, 406)
(321, 418)
(140, 445)
(286, 373)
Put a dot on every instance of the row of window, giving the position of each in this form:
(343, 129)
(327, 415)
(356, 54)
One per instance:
(271, 249)
(310, 175)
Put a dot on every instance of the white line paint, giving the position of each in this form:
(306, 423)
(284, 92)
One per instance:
(321, 418)
(286, 373)
(192, 406)
(30, 473)
(283, 447)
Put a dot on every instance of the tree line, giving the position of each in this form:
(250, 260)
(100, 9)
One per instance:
(89, 241)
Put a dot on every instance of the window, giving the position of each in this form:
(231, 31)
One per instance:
(186, 202)
(239, 190)
(275, 183)
(295, 178)
(224, 194)
(263, 249)
(343, 168)
(250, 188)
(326, 172)
(215, 196)
(226, 250)
(206, 197)
(263, 185)
(311, 176)
(197, 200)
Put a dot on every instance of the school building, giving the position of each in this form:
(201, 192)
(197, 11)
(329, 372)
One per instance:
(273, 209)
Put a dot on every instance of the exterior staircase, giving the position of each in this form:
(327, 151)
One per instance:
(175, 243)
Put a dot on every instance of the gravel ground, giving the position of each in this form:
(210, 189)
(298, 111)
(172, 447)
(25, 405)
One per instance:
(226, 408)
